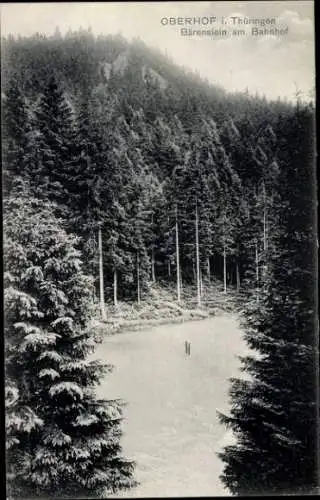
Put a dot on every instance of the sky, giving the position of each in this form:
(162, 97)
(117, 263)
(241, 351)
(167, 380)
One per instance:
(274, 65)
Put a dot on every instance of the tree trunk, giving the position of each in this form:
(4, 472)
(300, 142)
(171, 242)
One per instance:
(238, 277)
(257, 270)
(101, 283)
(201, 284)
(169, 263)
(265, 236)
(115, 288)
(178, 259)
(197, 258)
(194, 270)
(138, 278)
(265, 241)
(153, 274)
(208, 270)
(224, 269)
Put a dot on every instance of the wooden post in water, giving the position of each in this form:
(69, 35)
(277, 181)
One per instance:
(187, 347)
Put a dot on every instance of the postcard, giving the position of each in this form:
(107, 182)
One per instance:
(160, 243)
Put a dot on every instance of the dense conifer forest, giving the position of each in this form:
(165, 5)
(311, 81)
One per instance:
(122, 170)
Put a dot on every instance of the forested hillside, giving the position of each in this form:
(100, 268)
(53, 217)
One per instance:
(154, 176)
(133, 157)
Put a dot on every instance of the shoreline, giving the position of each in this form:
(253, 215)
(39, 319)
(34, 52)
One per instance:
(109, 329)
(161, 308)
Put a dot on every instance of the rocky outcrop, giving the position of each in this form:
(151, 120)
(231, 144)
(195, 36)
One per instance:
(119, 65)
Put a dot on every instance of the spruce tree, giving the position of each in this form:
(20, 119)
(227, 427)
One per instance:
(62, 441)
(55, 124)
(16, 132)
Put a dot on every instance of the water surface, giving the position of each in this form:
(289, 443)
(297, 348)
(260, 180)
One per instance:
(171, 427)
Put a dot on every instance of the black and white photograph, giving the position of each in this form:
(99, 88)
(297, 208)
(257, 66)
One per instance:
(160, 249)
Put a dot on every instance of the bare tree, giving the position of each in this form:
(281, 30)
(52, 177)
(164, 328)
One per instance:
(178, 259)
(101, 282)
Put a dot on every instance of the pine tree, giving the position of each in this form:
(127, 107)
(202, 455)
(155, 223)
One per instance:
(16, 131)
(62, 441)
(274, 410)
(86, 199)
(55, 123)
(119, 254)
